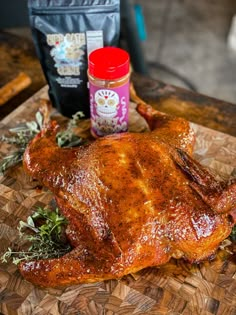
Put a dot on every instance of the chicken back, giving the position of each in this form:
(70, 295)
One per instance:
(133, 200)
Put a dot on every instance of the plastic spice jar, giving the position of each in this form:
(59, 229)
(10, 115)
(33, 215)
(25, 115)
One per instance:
(108, 73)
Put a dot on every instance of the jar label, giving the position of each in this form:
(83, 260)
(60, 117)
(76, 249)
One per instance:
(109, 109)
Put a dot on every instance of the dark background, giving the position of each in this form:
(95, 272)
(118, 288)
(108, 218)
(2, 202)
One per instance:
(13, 13)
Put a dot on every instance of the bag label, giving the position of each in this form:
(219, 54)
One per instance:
(94, 40)
(67, 51)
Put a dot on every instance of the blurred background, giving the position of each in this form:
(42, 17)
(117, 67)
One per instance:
(187, 44)
(182, 42)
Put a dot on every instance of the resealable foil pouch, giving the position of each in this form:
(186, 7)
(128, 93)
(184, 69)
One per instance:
(60, 31)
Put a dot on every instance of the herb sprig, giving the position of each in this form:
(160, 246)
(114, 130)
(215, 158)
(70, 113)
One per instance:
(24, 133)
(20, 137)
(233, 234)
(44, 232)
(11, 160)
(67, 138)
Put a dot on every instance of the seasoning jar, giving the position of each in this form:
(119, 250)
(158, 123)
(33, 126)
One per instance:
(109, 73)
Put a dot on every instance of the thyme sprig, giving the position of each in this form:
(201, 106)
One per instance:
(67, 138)
(44, 233)
(24, 133)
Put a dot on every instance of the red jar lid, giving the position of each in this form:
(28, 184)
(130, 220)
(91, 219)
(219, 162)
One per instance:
(108, 63)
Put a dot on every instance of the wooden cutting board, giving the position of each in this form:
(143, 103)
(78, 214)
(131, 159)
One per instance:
(175, 288)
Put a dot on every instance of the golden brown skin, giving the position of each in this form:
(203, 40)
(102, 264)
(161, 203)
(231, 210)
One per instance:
(132, 200)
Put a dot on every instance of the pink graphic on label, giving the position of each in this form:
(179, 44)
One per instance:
(109, 109)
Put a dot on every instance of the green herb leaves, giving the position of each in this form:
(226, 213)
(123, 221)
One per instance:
(44, 232)
(11, 160)
(233, 234)
(67, 138)
(24, 133)
(21, 136)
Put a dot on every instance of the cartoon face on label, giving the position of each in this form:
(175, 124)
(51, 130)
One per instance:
(107, 103)
(66, 53)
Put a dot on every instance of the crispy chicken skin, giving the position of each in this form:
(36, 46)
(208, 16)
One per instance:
(132, 201)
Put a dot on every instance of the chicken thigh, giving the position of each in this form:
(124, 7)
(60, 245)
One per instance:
(133, 200)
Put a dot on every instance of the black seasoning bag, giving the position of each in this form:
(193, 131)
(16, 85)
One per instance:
(64, 31)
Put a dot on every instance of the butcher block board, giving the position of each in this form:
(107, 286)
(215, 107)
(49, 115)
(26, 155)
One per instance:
(175, 288)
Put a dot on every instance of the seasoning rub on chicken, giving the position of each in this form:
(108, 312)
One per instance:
(133, 200)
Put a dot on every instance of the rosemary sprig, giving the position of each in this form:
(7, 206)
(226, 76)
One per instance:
(44, 232)
(11, 160)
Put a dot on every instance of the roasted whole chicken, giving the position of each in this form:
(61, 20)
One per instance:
(133, 200)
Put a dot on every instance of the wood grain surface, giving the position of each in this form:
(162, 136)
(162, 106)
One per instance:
(18, 55)
(175, 288)
(200, 109)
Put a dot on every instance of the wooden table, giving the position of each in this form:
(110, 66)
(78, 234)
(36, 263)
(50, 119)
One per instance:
(175, 288)
(200, 109)
(18, 54)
